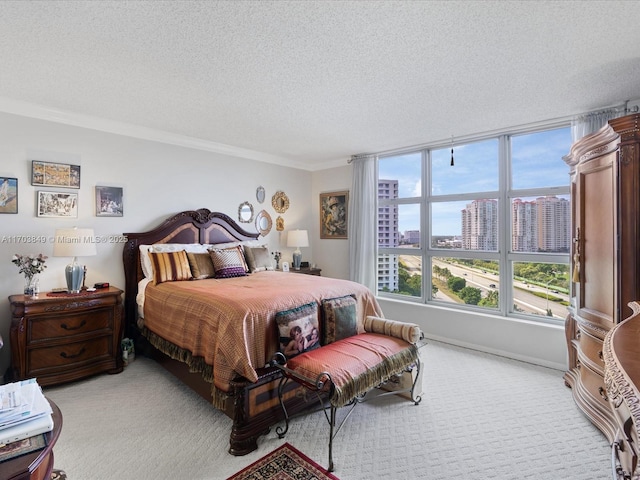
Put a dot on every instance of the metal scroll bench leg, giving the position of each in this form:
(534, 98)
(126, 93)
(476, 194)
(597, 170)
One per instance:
(323, 387)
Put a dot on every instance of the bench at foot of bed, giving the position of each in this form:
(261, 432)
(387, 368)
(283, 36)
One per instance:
(344, 371)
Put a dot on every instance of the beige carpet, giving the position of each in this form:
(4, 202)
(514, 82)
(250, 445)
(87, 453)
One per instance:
(482, 417)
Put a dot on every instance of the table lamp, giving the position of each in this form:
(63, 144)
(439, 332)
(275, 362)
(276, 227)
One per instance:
(297, 239)
(74, 242)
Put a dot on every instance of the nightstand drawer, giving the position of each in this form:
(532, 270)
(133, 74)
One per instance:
(51, 328)
(40, 360)
(61, 338)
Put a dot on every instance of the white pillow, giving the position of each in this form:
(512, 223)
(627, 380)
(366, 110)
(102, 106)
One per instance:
(142, 286)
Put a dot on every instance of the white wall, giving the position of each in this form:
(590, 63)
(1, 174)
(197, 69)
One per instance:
(159, 180)
(331, 255)
(528, 341)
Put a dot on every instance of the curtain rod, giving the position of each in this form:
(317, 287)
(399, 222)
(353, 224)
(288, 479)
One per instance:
(358, 156)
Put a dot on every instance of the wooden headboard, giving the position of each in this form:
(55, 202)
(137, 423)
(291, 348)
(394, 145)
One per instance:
(191, 226)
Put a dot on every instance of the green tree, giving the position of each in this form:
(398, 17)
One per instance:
(408, 284)
(470, 295)
(456, 283)
(414, 285)
(491, 300)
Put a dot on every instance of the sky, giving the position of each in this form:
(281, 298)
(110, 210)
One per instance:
(536, 162)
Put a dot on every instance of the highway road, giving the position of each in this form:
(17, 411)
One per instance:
(526, 301)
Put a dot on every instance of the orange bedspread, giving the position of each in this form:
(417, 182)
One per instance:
(231, 322)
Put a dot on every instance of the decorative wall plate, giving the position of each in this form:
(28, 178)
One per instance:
(280, 202)
(245, 212)
(263, 222)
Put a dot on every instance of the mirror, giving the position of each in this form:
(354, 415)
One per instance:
(279, 223)
(245, 212)
(263, 222)
(280, 202)
(260, 194)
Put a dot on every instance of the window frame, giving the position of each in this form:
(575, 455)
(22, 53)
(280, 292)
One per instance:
(505, 195)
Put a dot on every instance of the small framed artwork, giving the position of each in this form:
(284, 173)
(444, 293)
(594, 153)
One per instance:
(8, 195)
(56, 204)
(48, 174)
(333, 214)
(285, 266)
(109, 202)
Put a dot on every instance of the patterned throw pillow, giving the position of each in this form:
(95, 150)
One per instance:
(228, 262)
(201, 265)
(170, 266)
(339, 318)
(298, 330)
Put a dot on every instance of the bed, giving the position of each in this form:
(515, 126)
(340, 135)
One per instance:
(218, 334)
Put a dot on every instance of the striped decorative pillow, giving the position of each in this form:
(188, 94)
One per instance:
(409, 332)
(170, 266)
(228, 262)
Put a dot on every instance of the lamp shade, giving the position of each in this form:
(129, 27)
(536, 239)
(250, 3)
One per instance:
(74, 242)
(297, 238)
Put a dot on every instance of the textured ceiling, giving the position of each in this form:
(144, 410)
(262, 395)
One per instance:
(310, 83)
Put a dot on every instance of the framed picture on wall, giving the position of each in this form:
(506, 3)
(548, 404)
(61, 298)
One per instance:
(333, 214)
(109, 202)
(48, 174)
(56, 204)
(8, 195)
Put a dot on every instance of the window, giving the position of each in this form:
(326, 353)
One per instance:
(493, 229)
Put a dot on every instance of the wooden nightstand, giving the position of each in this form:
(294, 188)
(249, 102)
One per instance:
(307, 271)
(63, 337)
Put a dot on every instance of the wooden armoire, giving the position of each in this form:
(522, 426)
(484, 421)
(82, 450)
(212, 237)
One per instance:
(605, 198)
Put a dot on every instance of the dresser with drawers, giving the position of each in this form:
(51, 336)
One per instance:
(58, 338)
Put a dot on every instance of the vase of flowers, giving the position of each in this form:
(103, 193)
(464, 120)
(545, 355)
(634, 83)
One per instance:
(30, 266)
(276, 256)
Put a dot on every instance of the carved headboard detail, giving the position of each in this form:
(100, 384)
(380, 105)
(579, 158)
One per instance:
(192, 226)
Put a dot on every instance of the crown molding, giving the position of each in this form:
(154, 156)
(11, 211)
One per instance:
(41, 112)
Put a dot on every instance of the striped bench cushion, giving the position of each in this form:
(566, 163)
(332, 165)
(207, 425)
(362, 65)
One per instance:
(356, 364)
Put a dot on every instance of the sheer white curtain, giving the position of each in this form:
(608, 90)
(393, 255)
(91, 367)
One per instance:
(363, 232)
(592, 122)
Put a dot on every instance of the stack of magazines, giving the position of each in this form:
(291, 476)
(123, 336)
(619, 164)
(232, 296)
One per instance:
(24, 411)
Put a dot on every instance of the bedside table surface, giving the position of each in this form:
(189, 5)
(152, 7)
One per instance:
(307, 271)
(48, 296)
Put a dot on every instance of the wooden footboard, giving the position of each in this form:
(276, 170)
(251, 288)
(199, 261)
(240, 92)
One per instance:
(253, 407)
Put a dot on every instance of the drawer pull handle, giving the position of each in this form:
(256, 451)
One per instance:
(66, 327)
(603, 393)
(600, 356)
(67, 356)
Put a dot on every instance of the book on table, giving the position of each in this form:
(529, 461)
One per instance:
(24, 411)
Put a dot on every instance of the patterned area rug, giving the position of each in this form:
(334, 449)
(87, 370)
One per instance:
(58, 474)
(284, 463)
